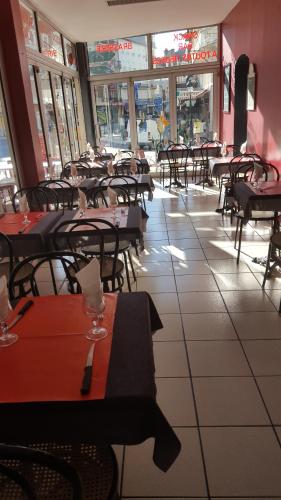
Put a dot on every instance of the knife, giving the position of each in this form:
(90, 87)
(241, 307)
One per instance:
(87, 378)
(21, 313)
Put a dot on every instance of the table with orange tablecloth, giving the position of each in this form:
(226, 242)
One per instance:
(41, 377)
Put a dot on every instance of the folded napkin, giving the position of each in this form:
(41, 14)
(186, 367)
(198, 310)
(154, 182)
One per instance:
(92, 153)
(112, 196)
(258, 171)
(83, 204)
(51, 170)
(243, 148)
(110, 168)
(215, 136)
(90, 282)
(23, 204)
(73, 170)
(118, 155)
(5, 306)
(133, 166)
(136, 153)
(223, 149)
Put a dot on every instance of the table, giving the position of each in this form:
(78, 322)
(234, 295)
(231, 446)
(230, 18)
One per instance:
(170, 158)
(265, 197)
(128, 412)
(219, 166)
(145, 184)
(133, 230)
(31, 238)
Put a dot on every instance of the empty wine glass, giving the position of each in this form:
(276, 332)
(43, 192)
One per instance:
(6, 338)
(25, 218)
(94, 309)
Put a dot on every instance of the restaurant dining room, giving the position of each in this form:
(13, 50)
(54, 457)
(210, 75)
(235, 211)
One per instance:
(140, 250)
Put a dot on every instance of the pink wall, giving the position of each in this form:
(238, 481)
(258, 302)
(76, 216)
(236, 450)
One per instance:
(254, 28)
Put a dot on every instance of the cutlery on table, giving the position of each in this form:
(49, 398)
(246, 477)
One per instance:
(21, 313)
(87, 377)
(23, 229)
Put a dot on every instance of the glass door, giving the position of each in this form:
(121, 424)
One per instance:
(61, 119)
(112, 115)
(38, 117)
(194, 107)
(8, 174)
(152, 106)
(69, 91)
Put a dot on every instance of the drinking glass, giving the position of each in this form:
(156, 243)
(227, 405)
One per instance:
(6, 338)
(95, 311)
(25, 218)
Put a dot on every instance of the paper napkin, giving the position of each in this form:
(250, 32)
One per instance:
(90, 282)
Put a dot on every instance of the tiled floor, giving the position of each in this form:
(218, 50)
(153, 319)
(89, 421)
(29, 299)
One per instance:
(218, 358)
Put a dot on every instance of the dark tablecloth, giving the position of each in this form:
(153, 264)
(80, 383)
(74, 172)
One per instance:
(129, 413)
(250, 198)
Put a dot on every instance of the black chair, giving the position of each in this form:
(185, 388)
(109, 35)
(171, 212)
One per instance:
(39, 199)
(99, 200)
(126, 182)
(8, 263)
(177, 156)
(210, 149)
(93, 237)
(83, 170)
(66, 194)
(274, 255)
(70, 263)
(247, 175)
(55, 472)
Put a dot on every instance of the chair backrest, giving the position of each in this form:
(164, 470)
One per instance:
(257, 170)
(68, 266)
(123, 167)
(40, 199)
(177, 154)
(6, 251)
(126, 182)
(83, 169)
(32, 474)
(210, 149)
(99, 197)
(79, 234)
(66, 193)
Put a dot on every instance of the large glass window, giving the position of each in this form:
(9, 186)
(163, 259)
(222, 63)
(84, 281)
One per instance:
(61, 118)
(29, 27)
(194, 107)
(118, 55)
(7, 167)
(50, 118)
(152, 112)
(190, 46)
(70, 110)
(38, 116)
(112, 109)
(51, 44)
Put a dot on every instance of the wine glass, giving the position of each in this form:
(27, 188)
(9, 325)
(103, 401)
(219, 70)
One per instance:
(25, 218)
(95, 309)
(6, 338)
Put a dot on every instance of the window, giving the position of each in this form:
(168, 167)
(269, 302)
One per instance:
(38, 115)
(7, 166)
(51, 45)
(29, 27)
(118, 55)
(69, 90)
(190, 46)
(69, 51)
(50, 118)
(61, 119)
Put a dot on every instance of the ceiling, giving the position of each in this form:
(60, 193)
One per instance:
(89, 20)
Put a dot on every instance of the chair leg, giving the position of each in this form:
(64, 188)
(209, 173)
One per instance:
(131, 264)
(240, 239)
(127, 271)
(220, 186)
(266, 273)
(143, 200)
(236, 233)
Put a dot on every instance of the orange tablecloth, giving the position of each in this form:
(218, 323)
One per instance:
(13, 223)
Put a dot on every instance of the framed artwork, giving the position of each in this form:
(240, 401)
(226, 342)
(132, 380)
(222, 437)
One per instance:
(251, 89)
(226, 88)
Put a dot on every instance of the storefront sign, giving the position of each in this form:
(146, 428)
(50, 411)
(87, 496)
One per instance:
(114, 47)
(189, 58)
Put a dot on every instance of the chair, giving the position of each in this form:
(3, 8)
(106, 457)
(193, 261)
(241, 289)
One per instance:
(274, 253)
(127, 182)
(56, 472)
(70, 263)
(209, 150)
(83, 170)
(40, 199)
(66, 193)
(177, 156)
(8, 263)
(99, 200)
(255, 215)
(89, 237)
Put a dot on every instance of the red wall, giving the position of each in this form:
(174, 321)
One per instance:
(254, 28)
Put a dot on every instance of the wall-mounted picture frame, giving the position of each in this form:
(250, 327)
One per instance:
(226, 88)
(251, 89)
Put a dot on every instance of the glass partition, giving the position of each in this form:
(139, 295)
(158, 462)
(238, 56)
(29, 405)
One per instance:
(112, 111)
(51, 45)
(194, 94)
(38, 116)
(152, 112)
(70, 53)
(61, 119)
(70, 110)
(29, 27)
(8, 177)
(190, 46)
(118, 55)
(50, 119)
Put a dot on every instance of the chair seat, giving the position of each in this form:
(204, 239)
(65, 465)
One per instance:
(24, 273)
(257, 214)
(107, 268)
(109, 248)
